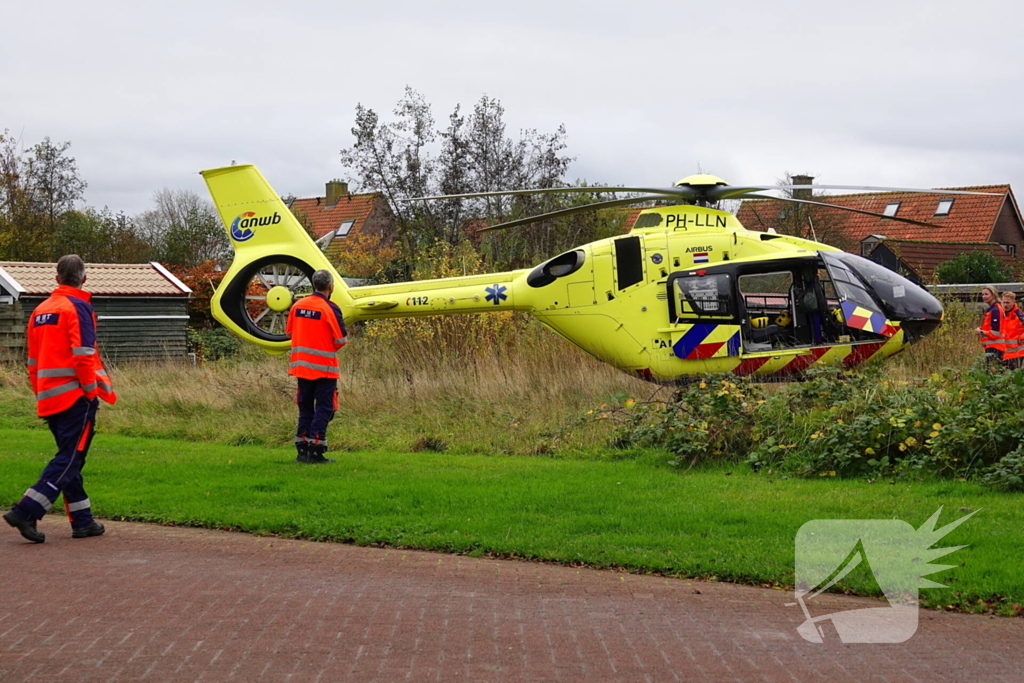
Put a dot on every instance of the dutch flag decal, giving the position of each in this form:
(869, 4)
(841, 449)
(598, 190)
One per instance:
(700, 257)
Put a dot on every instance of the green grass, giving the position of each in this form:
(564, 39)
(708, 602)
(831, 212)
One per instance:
(638, 514)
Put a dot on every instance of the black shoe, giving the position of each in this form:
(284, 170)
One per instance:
(303, 452)
(27, 527)
(316, 455)
(94, 529)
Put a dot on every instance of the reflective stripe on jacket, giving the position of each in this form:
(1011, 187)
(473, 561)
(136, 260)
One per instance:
(1013, 333)
(63, 363)
(992, 336)
(317, 330)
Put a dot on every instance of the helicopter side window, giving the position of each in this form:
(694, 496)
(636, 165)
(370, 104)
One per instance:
(702, 296)
(629, 262)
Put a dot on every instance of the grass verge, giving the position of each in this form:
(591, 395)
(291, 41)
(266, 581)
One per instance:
(637, 514)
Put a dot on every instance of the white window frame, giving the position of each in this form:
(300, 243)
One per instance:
(344, 229)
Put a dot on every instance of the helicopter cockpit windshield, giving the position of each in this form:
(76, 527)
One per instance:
(869, 284)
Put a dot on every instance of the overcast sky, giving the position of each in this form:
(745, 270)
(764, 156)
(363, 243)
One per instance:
(919, 94)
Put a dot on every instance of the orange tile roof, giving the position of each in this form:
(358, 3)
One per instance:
(971, 218)
(353, 207)
(102, 279)
(922, 256)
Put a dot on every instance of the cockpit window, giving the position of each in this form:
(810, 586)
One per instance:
(901, 299)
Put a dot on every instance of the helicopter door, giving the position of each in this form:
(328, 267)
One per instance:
(770, 320)
(857, 308)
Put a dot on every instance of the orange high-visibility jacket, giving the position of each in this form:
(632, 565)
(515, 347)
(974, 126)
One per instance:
(1013, 333)
(992, 332)
(63, 362)
(318, 331)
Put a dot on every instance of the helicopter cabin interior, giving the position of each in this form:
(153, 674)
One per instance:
(778, 304)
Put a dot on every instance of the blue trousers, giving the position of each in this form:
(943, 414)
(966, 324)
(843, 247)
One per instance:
(73, 430)
(317, 400)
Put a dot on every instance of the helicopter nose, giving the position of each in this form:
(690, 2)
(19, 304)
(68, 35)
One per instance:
(916, 330)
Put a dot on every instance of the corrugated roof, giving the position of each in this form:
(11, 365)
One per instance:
(970, 219)
(922, 256)
(102, 279)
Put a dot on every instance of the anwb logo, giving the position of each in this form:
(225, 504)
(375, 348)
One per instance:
(889, 552)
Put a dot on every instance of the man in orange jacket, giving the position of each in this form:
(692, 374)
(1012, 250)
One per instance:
(318, 330)
(68, 379)
(1013, 331)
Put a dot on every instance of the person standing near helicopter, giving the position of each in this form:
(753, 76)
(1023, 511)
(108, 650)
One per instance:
(1013, 331)
(317, 329)
(991, 330)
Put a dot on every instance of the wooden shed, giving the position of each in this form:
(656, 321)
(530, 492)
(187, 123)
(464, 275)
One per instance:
(141, 308)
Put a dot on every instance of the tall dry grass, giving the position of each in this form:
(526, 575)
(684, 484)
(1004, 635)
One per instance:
(515, 393)
(459, 383)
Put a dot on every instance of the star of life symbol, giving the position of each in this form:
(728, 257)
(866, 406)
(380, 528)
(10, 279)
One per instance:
(895, 555)
(496, 294)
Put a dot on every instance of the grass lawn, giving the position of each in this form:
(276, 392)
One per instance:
(729, 524)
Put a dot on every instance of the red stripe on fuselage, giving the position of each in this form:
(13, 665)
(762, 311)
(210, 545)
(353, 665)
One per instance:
(861, 352)
(801, 362)
(705, 351)
(749, 366)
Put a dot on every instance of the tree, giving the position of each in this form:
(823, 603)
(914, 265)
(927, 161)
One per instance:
(818, 223)
(476, 155)
(100, 236)
(37, 188)
(971, 267)
(184, 229)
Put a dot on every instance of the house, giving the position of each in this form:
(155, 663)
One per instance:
(141, 308)
(917, 259)
(347, 214)
(961, 220)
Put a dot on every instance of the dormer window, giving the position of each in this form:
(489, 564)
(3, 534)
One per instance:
(944, 206)
(891, 208)
(343, 229)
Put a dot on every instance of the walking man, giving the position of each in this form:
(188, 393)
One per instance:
(318, 330)
(68, 380)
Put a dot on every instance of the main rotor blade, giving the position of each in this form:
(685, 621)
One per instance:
(847, 208)
(569, 212)
(867, 188)
(736, 192)
(685, 192)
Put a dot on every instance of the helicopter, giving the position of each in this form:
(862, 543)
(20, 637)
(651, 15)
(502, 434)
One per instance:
(687, 292)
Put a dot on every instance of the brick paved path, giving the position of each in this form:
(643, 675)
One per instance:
(167, 604)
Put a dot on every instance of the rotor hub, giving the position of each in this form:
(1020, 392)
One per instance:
(279, 298)
(701, 180)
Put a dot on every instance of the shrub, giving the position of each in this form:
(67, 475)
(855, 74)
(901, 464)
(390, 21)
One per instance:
(971, 267)
(960, 424)
(215, 344)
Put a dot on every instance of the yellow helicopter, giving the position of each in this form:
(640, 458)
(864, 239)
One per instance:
(688, 291)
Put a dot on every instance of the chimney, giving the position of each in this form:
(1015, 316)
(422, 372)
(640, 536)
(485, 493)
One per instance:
(803, 180)
(336, 189)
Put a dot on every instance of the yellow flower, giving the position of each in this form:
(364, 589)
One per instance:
(936, 426)
(933, 434)
(869, 451)
(903, 446)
